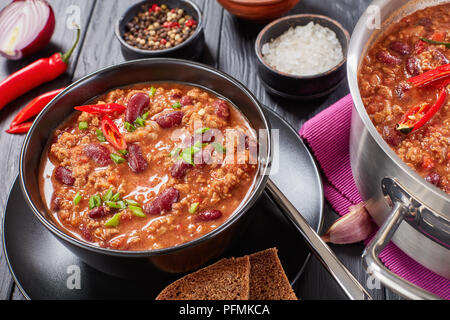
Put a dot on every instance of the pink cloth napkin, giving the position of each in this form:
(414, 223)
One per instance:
(327, 135)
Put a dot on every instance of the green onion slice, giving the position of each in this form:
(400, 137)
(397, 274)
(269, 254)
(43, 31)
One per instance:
(152, 91)
(83, 125)
(114, 221)
(137, 211)
(108, 195)
(446, 44)
(174, 152)
(116, 204)
(132, 203)
(202, 130)
(116, 158)
(176, 105)
(116, 197)
(145, 115)
(139, 122)
(77, 198)
(193, 208)
(129, 126)
(123, 151)
(218, 147)
(100, 135)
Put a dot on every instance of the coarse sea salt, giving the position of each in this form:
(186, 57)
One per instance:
(304, 50)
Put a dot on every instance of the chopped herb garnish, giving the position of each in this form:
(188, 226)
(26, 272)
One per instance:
(116, 197)
(114, 221)
(193, 208)
(139, 122)
(95, 201)
(108, 195)
(152, 91)
(77, 198)
(176, 105)
(83, 125)
(123, 151)
(174, 152)
(137, 211)
(132, 203)
(116, 158)
(116, 204)
(202, 130)
(188, 153)
(100, 135)
(129, 126)
(218, 147)
(145, 115)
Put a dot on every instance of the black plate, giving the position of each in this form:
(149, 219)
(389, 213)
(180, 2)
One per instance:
(44, 269)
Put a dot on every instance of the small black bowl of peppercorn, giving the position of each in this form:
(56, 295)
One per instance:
(165, 28)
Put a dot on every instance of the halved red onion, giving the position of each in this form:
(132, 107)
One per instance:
(26, 27)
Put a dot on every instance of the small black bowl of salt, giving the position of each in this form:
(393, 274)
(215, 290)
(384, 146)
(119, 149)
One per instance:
(302, 57)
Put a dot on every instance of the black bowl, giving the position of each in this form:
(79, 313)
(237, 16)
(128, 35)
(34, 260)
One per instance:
(300, 87)
(191, 48)
(150, 264)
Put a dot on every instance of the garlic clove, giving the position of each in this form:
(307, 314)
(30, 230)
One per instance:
(353, 227)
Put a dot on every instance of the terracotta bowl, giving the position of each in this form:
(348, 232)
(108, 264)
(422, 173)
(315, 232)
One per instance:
(258, 10)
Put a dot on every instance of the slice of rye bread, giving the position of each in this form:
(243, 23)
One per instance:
(227, 279)
(267, 278)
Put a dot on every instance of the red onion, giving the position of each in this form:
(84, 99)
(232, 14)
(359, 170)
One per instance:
(26, 27)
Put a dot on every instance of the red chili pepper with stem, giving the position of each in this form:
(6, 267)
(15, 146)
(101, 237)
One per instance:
(112, 133)
(35, 74)
(417, 116)
(102, 108)
(34, 107)
(20, 128)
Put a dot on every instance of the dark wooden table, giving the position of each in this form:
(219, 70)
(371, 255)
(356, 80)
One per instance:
(230, 45)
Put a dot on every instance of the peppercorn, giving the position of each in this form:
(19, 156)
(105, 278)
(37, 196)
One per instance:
(159, 27)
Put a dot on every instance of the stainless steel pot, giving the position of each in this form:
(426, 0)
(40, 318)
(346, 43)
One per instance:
(412, 213)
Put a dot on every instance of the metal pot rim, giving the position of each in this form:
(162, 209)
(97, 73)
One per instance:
(258, 188)
(353, 61)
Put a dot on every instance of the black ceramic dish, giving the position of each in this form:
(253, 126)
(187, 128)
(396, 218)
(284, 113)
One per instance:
(300, 87)
(155, 263)
(191, 48)
(41, 266)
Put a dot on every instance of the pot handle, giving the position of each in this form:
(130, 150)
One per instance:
(371, 262)
(352, 288)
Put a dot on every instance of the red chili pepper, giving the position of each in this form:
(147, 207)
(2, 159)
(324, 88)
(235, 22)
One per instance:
(428, 77)
(155, 8)
(163, 41)
(101, 108)
(112, 133)
(20, 128)
(33, 75)
(417, 116)
(34, 107)
(190, 23)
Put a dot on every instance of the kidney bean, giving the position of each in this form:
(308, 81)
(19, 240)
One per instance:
(175, 96)
(136, 161)
(170, 120)
(179, 169)
(98, 153)
(433, 178)
(186, 100)
(64, 175)
(85, 233)
(413, 66)
(392, 136)
(209, 215)
(400, 47)
(55, 204)
(426, 22)
(387, 58)
(97, 213)
(420, 46)
(136, 105)
(221, 109)
(439, 56)
(401, 89)
(163, 202)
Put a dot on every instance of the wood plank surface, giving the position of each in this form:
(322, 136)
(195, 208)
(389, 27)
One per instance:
(230, 47)
(61, 41)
